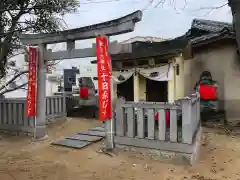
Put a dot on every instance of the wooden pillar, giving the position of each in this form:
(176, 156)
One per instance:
(142, 87)
(136, 86)
(172, 85)
(40, 129)
(179, 74)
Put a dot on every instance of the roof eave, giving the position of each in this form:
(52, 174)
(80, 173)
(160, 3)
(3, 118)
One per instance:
(212, 40)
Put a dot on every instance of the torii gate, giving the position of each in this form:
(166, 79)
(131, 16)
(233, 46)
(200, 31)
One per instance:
(110, 28)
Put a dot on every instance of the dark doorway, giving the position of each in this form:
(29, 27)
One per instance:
(157, 91)
(126, 90)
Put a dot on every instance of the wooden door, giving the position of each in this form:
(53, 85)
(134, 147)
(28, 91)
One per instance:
(157, 91)
(126, 90)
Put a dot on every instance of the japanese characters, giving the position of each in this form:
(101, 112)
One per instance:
(104, 78)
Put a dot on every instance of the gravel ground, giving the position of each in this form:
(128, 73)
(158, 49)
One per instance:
(22, 159)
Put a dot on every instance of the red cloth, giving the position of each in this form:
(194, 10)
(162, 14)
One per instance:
(208, 92)
(83, 92)
(167, 117)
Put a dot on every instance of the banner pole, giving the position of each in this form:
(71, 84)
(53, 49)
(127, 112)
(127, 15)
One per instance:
(109, 125)
(105, 86)
(35, 117)
(34, 120)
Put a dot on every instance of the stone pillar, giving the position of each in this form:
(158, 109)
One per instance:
(40, 129)
(187, 129)
(136, 86)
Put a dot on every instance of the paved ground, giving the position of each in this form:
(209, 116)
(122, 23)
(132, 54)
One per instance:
(22, 160)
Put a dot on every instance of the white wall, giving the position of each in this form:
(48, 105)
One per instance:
(89, 70)
(51, 88)
(223, 63)
(20, 64)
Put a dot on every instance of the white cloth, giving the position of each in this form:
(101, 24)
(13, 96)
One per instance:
(162, 73)
(125, 75)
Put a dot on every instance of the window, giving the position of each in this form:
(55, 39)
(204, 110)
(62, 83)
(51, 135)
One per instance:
(72, 80)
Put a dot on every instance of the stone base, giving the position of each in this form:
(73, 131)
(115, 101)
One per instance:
(40, 138)
(40, 133)
(167, 156)
(54, 119)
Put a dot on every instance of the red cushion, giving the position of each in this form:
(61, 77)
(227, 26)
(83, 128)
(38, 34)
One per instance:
(208, 92)
(83, 92)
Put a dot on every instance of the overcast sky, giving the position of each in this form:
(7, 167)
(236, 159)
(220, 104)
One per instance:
(166, 21)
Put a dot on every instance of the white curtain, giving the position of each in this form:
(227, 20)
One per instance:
(162, 73)
(121, 76)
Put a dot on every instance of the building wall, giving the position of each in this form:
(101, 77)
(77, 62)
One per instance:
(175, 86)
(88, 71)
(51, 87)
(225, 69)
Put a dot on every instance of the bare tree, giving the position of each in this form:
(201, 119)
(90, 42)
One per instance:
(16, 77)
(23, 16)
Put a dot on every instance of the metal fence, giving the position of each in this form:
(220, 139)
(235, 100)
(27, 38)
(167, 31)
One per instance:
(13, 113)
(163, 126)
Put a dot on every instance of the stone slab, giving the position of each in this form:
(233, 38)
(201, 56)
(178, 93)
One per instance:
(94, 133)
(99, 128)
(72, 143)
(83, 137)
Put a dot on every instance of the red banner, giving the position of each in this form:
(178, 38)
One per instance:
(32, 83)
(104, 78)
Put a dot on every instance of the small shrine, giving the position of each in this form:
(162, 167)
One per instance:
(154, 71)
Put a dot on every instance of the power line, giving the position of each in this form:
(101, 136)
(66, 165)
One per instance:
(83, 3)
(102, 1)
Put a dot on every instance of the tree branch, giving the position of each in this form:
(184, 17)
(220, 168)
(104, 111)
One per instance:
(209, 9)
(42, 17)
(13, 89)
(13, 79)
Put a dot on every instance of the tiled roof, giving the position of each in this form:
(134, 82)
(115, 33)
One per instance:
(148, 49)
(211, 26)
(144, 39)
(209, 30)
(210, 37)
(201, 31)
